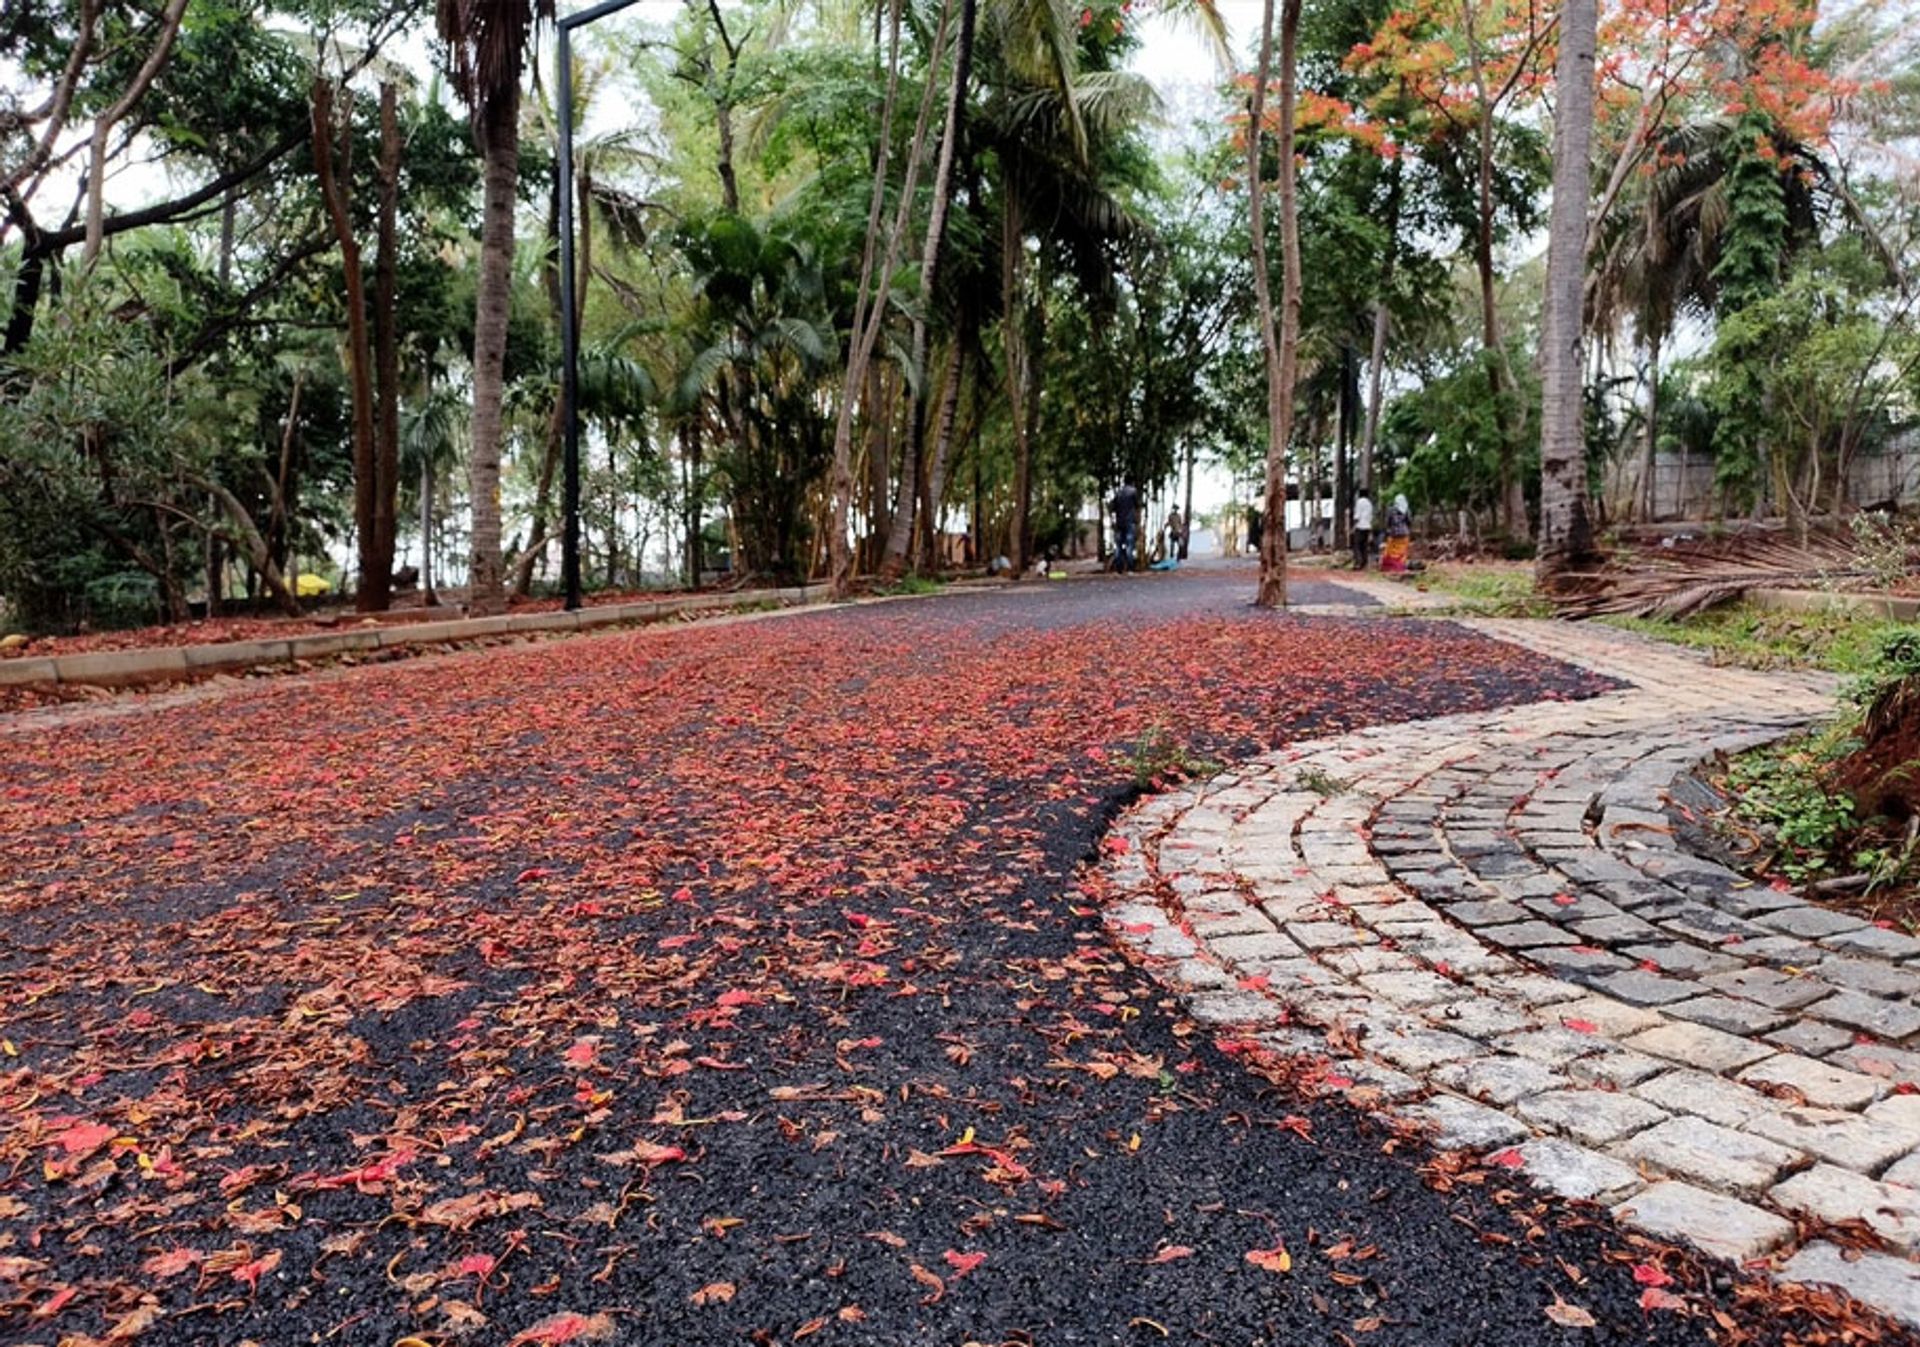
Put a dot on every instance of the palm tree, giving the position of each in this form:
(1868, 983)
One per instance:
(876, 279)
(1652, 266)
(1661, 246)
(900, 530)
(487, 43)
(760, 347)
(429, 445)
(1566, 534)
(1044, 123)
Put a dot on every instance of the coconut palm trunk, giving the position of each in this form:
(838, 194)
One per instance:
(1016, 345)
(500, 151)
(1566, 533)
(487, 44)
(900, 531)
(876, 272)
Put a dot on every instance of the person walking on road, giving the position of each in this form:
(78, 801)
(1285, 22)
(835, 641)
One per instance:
(1362, 530)
(1393, 556)
(1176, 535)
(1125, 507)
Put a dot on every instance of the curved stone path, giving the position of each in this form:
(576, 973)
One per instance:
(1487, 924)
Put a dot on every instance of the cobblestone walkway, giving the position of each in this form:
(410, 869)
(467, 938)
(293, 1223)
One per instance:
(1487, 922)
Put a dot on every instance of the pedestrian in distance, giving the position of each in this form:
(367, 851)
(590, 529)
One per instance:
(1176, 534)
(1393, 555)
(1362, 532)
(1125, 508)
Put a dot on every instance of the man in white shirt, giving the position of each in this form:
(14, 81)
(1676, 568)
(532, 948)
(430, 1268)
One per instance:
(1362, 531)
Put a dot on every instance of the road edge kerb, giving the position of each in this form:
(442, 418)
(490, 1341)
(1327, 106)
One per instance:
(1405, 594)
(168, 664)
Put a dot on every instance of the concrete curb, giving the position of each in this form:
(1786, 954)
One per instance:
(1816, 601)
(166, 664)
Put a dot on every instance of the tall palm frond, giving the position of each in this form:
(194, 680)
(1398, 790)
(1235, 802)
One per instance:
(1204, 17)
(432, 431)
(487, 42)
(1036, 40)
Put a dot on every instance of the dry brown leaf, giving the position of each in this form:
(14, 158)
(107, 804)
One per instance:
(1569, 1316)
(935, 1287)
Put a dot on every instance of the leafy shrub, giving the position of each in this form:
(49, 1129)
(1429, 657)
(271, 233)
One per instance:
(1893, 655)
(1785, 788)
(1884, 544)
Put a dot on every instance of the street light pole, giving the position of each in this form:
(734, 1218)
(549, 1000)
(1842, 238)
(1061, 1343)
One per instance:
(570, 303)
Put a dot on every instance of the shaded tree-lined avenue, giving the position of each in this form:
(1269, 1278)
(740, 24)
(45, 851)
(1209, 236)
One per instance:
(734, 983)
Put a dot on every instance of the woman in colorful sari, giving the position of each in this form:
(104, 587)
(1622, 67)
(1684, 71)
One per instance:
(1393, 553)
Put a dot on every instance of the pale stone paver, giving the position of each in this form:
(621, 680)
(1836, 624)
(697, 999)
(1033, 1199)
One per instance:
(1891, 1210)
(1576, 1172)
(1710, 1155)
(1718, 1225)
(1887, 1283)
(1494, 907)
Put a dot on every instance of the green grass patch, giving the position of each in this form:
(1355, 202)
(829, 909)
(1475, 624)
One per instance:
(912, 584)
(1764, 638)
(1487, 591)
(1321, 783)
(1157, 757)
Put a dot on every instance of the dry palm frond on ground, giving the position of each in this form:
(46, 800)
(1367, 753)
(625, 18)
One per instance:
(1674, 582)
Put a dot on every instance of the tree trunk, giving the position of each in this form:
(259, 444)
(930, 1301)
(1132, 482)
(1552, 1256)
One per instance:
(386, 355)
(59, 104)
(900, 534)
(1281, 346)
(839, 557)
(498, 124)
(169, 28)
(553, 445)
(1500, 380)
(427, 598)
(690, 451)
(943, 442)
(930, 478)
(542, 503)
(229, 210)
(1649, 484)
(27, 284)
(1342, 489)
(1382, 324)
(870, 303)
(373, 592)
(279, 519)
(216, 575)
(723, 109)
(1013, 343)
(881, 403)
(1566, 531)
(246, 536)
(1186, 513)
(173, 597)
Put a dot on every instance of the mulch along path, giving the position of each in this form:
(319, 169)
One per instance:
(727, 984)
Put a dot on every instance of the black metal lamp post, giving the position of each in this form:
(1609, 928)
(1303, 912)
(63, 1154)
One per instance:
(569, 301)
